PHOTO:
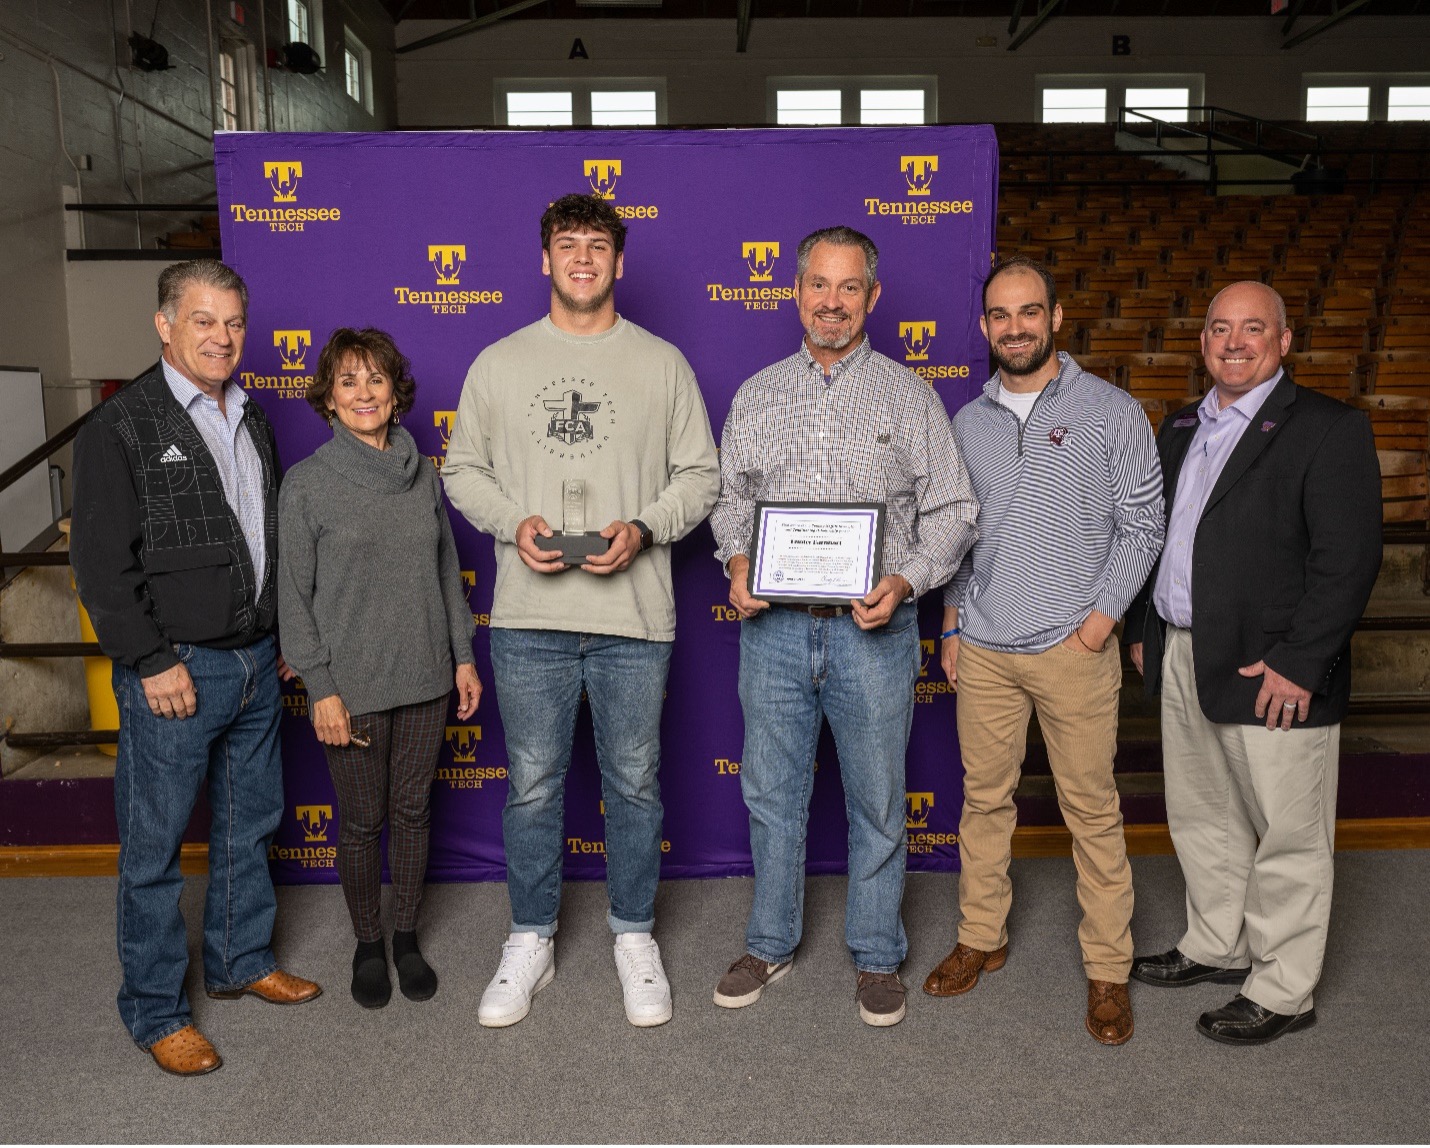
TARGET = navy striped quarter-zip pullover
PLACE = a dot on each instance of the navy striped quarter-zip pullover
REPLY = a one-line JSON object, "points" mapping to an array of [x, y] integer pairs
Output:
{"points": [[1070, 515]]}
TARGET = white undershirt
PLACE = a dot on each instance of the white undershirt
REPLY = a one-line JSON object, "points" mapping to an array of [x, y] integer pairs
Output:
{"points": [[1020, 404]]}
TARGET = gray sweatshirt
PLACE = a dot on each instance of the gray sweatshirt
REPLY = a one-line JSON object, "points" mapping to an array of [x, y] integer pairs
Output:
{"points": [[620, 410], [371, 605]]}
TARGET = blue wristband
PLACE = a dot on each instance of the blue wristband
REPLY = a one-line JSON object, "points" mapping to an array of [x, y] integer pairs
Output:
{"points": [[950, 633]]}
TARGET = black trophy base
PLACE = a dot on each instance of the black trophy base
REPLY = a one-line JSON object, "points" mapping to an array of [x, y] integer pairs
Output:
{"points": [[576, 548]]}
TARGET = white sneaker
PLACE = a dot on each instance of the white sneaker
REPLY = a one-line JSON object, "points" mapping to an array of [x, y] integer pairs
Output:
{"points": [[528, 963], [643, 983]]}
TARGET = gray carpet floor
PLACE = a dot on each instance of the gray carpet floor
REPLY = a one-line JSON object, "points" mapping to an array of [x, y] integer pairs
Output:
{"points": [[1010, 1062]]}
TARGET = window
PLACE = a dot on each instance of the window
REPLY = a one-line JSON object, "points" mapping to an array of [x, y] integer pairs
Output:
{"points": [[227, 91], [891, 106], [539, 109], [233, 99], [616, 103], [1101, 99], [1168, 104], [809, 107], [858, 100], [1075, 106], [622, 109], [1407, 102], [1341, 103], [357, 70], [300, 23]]}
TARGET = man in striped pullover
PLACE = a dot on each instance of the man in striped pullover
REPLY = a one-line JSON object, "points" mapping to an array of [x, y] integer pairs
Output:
{"points": [[1070, 523]]}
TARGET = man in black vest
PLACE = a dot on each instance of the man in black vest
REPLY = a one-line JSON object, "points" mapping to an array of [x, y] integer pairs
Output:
{"points": [[175, 525], [1273, 545]]}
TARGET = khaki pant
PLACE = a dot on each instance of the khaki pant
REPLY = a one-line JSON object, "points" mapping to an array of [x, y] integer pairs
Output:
{"points": [[1253, 817], [1076, 699]]}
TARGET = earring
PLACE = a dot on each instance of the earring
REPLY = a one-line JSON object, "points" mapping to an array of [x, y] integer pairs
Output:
{"points": [[396, 418]]}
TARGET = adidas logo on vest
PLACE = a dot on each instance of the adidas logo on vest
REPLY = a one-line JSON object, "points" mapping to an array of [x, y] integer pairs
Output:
{"points": [[173, 454]]}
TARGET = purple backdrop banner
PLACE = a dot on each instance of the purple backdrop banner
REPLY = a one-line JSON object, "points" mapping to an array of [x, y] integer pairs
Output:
{"points": [[434, 237]]}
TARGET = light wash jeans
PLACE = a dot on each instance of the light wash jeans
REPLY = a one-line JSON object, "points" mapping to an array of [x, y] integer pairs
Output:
{"points": [[540, 675], [231, 742], [796, 670]]}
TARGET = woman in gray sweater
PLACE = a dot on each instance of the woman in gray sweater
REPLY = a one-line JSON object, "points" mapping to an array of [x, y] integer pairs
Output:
{"points": [[373, 616]]}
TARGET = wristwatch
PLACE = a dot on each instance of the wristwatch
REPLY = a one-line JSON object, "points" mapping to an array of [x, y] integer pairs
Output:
{"points": [[647, 537]]}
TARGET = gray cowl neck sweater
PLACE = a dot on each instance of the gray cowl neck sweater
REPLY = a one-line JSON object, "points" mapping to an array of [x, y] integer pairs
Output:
{"points": [[370, 598]]}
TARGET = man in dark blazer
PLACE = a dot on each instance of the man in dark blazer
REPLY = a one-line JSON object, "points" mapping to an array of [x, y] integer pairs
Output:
{"points": [[1273, 545]]}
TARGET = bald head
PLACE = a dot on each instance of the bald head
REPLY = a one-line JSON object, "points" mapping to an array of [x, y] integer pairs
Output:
{"points": [[1244, 338]]}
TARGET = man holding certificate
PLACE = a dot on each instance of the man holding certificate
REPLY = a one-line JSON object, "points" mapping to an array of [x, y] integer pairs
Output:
{"points": [[842, 500], [1070, 524], [582, 446]]}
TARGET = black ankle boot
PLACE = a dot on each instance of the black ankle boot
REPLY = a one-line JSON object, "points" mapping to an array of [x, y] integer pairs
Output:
{"points": [[414, 975], [371, 987]]}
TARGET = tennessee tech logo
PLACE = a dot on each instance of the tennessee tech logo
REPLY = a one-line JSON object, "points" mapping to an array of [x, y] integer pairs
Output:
{"points": [[917, 835], [292, 348], [916, 337], [918, 171], [760, 262], [916, 810], [283, 177], [447, 260], [760, 259], [315, 820], [442, 420], [569, 421], [918, 205], [602, 174], [925, 656], [462, 739], [929, 686]]}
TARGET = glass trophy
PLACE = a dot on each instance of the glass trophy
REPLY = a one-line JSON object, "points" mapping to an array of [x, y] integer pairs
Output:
{"points": [[575, 542]]}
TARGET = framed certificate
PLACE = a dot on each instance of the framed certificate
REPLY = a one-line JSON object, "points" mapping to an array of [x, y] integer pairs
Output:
{"points": [[817, 553]]}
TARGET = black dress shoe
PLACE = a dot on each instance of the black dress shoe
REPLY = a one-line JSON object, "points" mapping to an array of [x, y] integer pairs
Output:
{"points": [[1173, 970], [1243, 1021]]}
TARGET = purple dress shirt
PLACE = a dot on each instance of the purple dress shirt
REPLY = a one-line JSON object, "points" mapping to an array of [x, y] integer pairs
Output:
{"points": [[1220, 430]]}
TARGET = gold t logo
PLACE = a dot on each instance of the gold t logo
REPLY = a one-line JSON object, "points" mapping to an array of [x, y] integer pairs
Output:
{"points": [[917, 337], [469, 583], [918, 171], [315, 820], [443, 421], [292, 347], [760, 259], [917, 806], [447, 260], [602, 173], [926, 655], [463, 740], [283, 178]]}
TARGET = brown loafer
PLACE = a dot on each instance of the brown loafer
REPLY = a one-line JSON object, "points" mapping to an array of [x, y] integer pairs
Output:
{"points": [[277, 987], [1109, 1012], [958, 972], [185, 1053]]}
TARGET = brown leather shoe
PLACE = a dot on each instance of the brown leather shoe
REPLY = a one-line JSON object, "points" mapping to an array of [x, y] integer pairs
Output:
{"points": [[185, 1053], [1109, 1012], [958, 972], [277, 987]]}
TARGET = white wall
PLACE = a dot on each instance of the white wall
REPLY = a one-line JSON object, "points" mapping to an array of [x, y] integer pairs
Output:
{"points": [[708, 82]]}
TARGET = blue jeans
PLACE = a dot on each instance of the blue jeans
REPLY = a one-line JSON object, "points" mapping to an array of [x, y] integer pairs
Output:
{"points": [[539, 678], [232, 742], [794, 671]]}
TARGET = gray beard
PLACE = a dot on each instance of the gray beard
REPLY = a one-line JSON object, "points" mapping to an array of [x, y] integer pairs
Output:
{"points": [[830, 342]]}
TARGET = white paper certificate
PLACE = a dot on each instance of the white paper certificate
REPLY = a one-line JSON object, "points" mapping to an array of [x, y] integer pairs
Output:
{"points": [[815, 552]]}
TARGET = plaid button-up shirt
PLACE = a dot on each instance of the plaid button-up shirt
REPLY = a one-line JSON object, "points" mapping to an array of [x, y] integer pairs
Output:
{"points": [[870, 431]]}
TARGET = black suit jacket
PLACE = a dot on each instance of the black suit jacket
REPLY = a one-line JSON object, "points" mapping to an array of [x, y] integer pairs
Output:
{"points": [[1284, 558]]}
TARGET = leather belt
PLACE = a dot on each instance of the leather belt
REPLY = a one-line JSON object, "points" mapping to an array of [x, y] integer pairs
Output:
{"points": [[816, 611]]}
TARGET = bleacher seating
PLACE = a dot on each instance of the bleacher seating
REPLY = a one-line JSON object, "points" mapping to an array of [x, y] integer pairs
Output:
{"points": [[1139, 256]]}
